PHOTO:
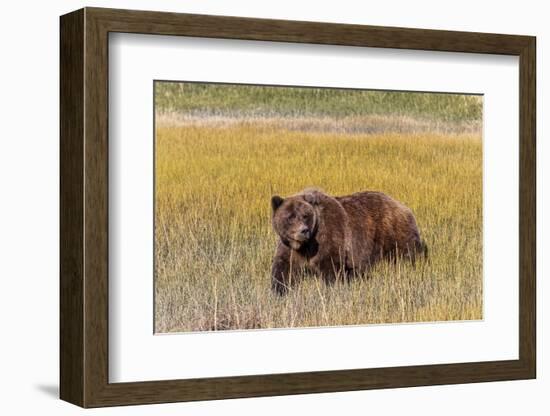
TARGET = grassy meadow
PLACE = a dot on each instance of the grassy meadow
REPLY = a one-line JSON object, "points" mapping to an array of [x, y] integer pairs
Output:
{"points": [[223, 151]]}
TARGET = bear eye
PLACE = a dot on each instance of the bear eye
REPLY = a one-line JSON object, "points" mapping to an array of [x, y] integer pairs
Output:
{"points": [[291, 217]]}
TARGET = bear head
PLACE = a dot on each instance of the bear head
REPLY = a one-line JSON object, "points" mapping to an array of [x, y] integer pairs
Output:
{"points": [[295, 219]]}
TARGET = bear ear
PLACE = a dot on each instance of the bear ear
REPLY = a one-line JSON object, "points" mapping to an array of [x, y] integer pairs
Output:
{"points": [[276, 202], [313, 197]]}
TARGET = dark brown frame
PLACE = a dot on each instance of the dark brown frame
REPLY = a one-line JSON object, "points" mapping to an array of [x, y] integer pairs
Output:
{"points": [[84, 209]]}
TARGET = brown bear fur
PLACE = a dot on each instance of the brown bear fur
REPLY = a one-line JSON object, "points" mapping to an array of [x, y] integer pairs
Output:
{"points": [[337, 237]]}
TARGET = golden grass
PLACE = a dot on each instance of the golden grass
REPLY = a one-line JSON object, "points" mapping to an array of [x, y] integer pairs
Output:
{"points": [[214, 242]]}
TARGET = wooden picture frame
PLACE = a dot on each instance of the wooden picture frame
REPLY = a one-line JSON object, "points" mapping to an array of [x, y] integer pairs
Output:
{"points": [[84, 207]]}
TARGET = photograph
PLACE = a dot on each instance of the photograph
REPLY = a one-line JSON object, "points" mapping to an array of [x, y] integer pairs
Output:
{"points": [[296, 207], [278, 204]]}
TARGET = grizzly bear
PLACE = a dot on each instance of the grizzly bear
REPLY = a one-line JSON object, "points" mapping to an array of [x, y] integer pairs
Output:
{"points": [[339, 237]]}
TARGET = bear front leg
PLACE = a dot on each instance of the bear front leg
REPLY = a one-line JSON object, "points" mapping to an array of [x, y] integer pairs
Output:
{"points": [[331, 270], [280, 270]]}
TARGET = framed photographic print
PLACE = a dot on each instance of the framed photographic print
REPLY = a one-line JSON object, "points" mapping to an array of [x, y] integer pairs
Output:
{"points": [[255, 207]]}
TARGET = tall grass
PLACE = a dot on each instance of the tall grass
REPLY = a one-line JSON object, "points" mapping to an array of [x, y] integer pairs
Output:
{"points": [[299, 102], [213, 237]]}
